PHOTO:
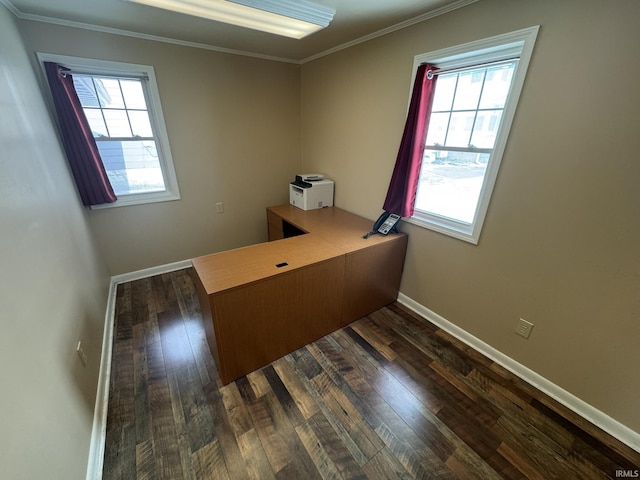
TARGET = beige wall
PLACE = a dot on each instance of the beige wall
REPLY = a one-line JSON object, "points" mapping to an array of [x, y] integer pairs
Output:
{"points": [[560, 241], [234, 128], [53, 286]]}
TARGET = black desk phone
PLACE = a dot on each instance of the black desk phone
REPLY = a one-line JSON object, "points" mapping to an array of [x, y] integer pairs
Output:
{"points": [[387, 222]]}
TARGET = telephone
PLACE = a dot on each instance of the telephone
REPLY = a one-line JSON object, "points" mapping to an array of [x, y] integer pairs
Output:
{"points": [[387, 222]]}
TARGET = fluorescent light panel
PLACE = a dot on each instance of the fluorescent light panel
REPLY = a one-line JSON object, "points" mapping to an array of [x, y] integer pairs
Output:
{"points": [[301, 9], [290, 18]]}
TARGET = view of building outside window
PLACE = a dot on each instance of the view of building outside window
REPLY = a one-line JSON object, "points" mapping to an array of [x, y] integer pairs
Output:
{"points": [[119, 119], [465, 118]]}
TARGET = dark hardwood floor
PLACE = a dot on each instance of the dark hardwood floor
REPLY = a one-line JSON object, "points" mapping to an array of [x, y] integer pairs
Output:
{"points": [[390, 396]]}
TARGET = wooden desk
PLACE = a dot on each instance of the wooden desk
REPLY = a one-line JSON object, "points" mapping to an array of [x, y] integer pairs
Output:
{"points": [[264, 301], [373, 266]]}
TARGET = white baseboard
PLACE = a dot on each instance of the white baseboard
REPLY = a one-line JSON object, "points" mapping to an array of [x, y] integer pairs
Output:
{"points": [[99, 430], [149, 272], [588, 412]]}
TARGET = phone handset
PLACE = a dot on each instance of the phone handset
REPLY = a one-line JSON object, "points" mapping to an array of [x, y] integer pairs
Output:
{"points": [[387, 222]]}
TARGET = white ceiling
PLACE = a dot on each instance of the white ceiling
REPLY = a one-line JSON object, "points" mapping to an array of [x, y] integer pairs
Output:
{"points": [[354, 21]]}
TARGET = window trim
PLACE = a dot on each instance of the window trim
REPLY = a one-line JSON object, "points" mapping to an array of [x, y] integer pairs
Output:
{"points": [[106, 68], [519, 43]]}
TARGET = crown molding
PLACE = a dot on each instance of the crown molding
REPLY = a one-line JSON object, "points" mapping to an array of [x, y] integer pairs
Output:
{"points": [[393, 28], [143, 36], [138, 35], [11, 7]]}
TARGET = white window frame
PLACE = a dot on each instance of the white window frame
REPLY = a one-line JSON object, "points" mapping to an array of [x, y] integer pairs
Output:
{"points": [[107, 68], [515, 44]]}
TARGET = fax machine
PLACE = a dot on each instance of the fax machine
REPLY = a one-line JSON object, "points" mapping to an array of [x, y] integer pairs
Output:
{"points": [[310, 191]]}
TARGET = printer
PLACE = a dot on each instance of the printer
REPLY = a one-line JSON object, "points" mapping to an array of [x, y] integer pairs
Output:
{"points": [[310, 191]]}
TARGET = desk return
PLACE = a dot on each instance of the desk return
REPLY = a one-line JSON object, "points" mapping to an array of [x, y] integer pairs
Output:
{"points": [[315, 275]]}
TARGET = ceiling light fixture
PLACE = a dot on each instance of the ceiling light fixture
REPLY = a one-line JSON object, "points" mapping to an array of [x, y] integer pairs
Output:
{"points": [[290, 18]]}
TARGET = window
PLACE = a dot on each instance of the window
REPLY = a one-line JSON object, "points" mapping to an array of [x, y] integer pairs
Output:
{"points": [[122, 106], [474, 103]]}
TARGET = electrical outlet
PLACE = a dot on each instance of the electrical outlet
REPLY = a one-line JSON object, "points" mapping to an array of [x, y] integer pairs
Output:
{"points": [[219, 207], [81, 354], [524, 328]]}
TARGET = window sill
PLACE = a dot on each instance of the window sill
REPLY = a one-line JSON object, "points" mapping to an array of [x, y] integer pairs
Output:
{"points": [[139, 199], [453, 229]]}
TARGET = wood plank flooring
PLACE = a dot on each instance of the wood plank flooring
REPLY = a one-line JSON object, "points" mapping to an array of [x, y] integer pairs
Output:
{"points": [[388, 397]]}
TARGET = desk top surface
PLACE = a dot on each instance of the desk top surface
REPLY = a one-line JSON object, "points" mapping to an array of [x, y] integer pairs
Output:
{"points": [[343, 229], [331, 232], [232, 268]]}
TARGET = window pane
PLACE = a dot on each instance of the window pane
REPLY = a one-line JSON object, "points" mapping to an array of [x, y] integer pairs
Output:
{"points": [[140, 123], [437, 129], [132, 166], [460, 127], [468, 91], [496, 87], [450, 184], [443, 96], [96, 122], [113, 97], [86, 91], [133, 95], [117, 123], [486, 128]]}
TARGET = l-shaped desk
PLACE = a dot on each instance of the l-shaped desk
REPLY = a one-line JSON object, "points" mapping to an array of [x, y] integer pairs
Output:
{"points": [[315, 275]]}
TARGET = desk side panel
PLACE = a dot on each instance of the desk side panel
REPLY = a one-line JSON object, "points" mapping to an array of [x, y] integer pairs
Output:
{"points": [[266, 320], [372, 278], [207, 321], [274, 224]]}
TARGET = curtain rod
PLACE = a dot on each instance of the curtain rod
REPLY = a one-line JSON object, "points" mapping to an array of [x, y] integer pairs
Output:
{"points": [[440, 71], [64, 71]]}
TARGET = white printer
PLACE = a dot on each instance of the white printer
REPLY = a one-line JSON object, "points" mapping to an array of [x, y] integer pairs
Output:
{"points": [[310, 191]]}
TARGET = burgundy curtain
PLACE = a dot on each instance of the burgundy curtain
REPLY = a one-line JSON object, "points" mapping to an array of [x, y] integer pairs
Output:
{"points": [[79, 144], [401, 195]]}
